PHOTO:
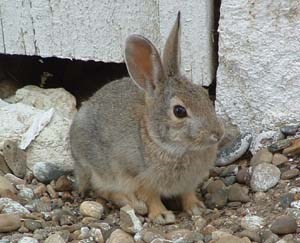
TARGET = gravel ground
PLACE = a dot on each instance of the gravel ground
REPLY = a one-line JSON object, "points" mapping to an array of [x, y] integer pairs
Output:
{"points": [[254, 199]]}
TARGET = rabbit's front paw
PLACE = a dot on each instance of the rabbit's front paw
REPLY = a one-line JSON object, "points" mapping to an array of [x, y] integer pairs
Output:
{"points": [[191, 204], [164, 217]]}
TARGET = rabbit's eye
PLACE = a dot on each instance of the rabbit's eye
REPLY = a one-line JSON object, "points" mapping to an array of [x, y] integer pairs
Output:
{"points": [[179, 111]]}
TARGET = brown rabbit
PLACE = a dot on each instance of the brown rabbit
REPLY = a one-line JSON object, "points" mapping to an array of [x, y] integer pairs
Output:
{"points": [[153, 135]]}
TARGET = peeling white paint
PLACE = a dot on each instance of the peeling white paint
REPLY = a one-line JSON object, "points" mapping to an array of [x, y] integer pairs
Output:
{"points": [[96, 30], [259, 71]]}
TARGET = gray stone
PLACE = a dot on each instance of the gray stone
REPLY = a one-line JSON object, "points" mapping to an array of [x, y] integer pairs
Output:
{"points": [[286, 200], [279, 145], [235, 150], [230, 170], [26, 193], [252, 222], [218, 199], [229, 180], [27, 239], [32, 225], [184, 236], [264, 177], [46, 172], [284, 225], [290, 130], [12, 207], [238, 193]]}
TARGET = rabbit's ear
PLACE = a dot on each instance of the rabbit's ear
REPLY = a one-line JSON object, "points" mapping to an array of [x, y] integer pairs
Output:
{"points": [[143, 62], [171, 55]]}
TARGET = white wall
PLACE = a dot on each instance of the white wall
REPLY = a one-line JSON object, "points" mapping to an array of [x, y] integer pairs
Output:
{"points": [[259, 71], [94, 29]]}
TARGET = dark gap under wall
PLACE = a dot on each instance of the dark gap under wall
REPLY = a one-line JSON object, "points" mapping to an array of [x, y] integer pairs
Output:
{"points": [[81, 78], [215, 47]]}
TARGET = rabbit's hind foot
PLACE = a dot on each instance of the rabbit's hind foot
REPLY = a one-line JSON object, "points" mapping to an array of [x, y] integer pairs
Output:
{"points": [[157, 211], [121, 199], [191, 204]]}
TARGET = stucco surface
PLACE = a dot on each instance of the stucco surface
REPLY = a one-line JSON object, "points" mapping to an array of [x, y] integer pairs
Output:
{"points": [[259, 71], [97, 30]]}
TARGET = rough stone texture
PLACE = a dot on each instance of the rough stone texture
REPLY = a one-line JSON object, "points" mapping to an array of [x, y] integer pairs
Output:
{"points": [[44, 99], [259, 71], [97, 29], [51, 145], [264, 177]]}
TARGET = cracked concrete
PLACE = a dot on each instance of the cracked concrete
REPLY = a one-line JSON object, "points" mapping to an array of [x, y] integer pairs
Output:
{"points": [[259, 65]]}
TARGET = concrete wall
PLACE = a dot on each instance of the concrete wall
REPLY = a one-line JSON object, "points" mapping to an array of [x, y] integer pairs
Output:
{"points": [[96, 30], [259, 71]]}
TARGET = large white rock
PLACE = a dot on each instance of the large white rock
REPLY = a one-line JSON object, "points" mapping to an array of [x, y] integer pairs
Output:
{"points": [[50, 145], [259, 71], [97, 30], [44, 99]]}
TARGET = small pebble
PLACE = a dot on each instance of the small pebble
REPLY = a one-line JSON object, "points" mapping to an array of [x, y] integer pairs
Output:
{"points": [[279, 159], [290, 130], [15, 158], [243, 176], [279, 145], [54, 238], [286, 200], [150, 235], [27, 239], [46, 172], [118, 236], [215, 186], [238, 193], [91, 209], [261, 156], [32, 225], [284, 225], [229, 180], [10, 206], [218, 199], [252, 222], [230, 170], [184, 235], [264, 177], [289, 174], [235, 150], [129, 222], [252, 235], [293, 149], [63, 184]]}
